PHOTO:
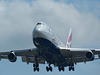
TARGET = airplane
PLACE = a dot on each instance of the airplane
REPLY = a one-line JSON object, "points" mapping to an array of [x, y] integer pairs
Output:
{"points": [[49, 49]]}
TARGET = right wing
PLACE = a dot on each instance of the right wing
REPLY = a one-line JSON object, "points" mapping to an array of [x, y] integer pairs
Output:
{"points": [[80, 54], [27, 55]]}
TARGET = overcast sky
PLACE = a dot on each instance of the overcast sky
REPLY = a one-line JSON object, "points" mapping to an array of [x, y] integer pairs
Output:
{"points": [[18, 18]]}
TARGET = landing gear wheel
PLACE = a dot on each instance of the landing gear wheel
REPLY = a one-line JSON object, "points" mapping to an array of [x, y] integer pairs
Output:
{"points": [[61, 68], [73, 68], [69, 68], [49, 68], [36, 67]]}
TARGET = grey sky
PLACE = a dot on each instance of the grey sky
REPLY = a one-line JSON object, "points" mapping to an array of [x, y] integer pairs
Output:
{"points": [[18, 18]]}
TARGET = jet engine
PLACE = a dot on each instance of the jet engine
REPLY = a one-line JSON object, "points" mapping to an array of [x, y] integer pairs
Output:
{"points": [[12, 57], [89, 56]]}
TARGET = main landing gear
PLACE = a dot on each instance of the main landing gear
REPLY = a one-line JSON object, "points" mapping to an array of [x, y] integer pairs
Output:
{"points": [[71, 67], [61, 68], [49, 68], [36, 67]]}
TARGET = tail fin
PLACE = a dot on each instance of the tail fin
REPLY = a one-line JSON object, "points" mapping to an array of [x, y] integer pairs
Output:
{"points": [[68, 45]]}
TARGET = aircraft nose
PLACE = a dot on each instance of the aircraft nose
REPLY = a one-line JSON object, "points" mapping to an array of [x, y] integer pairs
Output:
{"points": [[38, 28], [37, 31]]}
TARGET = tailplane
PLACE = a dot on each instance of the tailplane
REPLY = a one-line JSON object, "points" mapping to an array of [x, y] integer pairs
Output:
{"points": [[68, 45]]}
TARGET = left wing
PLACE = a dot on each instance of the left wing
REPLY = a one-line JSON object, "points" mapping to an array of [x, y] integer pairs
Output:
{"points": [[27, 55], [80, 54]]}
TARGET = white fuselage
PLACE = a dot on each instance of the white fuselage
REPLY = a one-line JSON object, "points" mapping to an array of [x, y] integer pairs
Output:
{"points": [[48, 44], [43, 31]]}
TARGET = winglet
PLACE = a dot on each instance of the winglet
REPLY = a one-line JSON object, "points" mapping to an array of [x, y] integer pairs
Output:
{"points": [[68, 45]]}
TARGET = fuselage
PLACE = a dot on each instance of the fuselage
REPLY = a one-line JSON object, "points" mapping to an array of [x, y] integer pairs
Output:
{"points": [[48, 44]]}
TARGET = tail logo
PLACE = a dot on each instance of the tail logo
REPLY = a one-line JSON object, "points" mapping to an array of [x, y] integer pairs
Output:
{"points": [[69, 39]]}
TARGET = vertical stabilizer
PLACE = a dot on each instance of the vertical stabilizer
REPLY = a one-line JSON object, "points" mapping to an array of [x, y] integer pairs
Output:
{"points": [[68, 45]]}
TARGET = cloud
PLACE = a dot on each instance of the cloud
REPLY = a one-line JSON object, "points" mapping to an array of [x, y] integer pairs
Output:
{"points": [[92, 6], [18, 18]]}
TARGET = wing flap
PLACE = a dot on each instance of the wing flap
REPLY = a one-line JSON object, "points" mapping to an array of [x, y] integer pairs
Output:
{"points": [[32, 60]]}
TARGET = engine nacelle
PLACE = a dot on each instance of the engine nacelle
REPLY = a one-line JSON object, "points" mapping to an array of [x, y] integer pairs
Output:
{"points": [[90, 56], [12, 57]]}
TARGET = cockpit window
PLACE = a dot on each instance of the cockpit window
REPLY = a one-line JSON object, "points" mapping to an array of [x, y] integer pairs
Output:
{"points": [[38, 23]]}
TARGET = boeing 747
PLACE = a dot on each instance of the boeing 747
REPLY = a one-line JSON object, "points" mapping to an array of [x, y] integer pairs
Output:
{"points": [[51, 50]]}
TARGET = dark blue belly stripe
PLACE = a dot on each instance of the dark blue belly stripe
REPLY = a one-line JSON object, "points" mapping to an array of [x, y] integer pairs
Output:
{"points": [[50, 50]]}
